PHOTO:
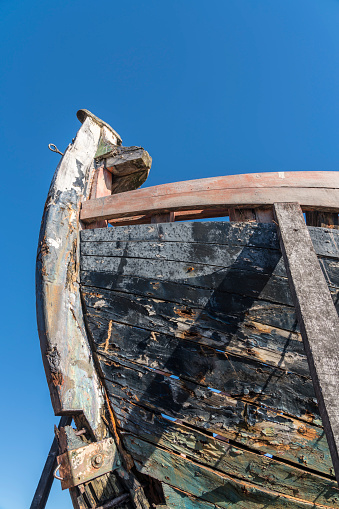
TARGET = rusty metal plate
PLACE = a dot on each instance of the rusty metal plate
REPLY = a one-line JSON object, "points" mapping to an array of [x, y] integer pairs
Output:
{"points": [[88, 462]]}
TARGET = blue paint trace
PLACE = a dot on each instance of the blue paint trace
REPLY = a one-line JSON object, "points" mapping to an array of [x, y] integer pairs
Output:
{"points": [[168, 417]]}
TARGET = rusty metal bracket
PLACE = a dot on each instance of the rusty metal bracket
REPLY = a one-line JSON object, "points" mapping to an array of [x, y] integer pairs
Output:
{"points": [[86, 463]]}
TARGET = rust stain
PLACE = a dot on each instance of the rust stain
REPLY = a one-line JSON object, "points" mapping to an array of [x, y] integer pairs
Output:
{"points": [[57, 379], [308, 433], [112, 426], [185, 313], [154, 336], [96, 295], [109, 334]]}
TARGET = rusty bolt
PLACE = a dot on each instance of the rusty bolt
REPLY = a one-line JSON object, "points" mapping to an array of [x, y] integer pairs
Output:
{"points": [[97, 460]]}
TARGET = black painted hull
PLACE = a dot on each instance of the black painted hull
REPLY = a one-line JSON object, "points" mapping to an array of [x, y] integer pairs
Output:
{"points": [[197, 342]]}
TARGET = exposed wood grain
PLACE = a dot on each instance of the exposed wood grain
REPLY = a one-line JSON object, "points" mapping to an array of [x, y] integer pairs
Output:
{"points": [[312, 189], [240, 377], [317, 316], [259, 214]]}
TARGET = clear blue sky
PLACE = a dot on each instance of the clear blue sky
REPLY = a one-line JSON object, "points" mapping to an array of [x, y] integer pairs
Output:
{"points": [[208, 88]]}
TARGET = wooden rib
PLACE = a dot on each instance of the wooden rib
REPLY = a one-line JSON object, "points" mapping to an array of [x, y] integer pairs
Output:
{"points": [[313, 190], [323, 219], [163, 218]]}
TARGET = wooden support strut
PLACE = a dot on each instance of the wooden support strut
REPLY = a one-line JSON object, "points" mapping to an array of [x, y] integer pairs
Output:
{"points": [[317, 316], [46, 480]]}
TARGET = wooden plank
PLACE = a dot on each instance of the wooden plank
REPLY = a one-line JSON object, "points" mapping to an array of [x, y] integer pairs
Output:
{"points": [[325, 241], [206, 484], [228, 458], [248, 283], [238, 376], [254, 426], [317, 316], [178, 499], [259, 214], [312, 189], [245, 338], [240, 257], [46, 480]]}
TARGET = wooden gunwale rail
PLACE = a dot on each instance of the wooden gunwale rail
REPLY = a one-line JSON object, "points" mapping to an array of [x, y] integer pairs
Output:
{"points": [[213, 197]]}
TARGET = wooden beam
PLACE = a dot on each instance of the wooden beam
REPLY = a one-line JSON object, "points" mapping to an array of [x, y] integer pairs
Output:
{"points": [[312, 190], [46, 480], [317, 316]]}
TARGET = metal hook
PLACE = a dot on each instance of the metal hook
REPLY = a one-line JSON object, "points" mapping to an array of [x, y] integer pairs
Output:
{"points": [[54, 148], [55, 473]]}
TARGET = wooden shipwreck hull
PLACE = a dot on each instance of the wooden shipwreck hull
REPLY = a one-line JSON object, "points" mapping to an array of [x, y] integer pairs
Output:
{"points": [[198, 360]]}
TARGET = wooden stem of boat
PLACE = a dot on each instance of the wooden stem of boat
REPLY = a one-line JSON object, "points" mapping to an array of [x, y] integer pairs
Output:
{"points": [[72, 378]]}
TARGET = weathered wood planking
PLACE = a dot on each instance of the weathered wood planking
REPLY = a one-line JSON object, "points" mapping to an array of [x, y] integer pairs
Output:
{"points": [[238, 376], [253, 426], [182, 325], [226, 457], [247, 338], [325, 240], [317, 316], [318, 190], [205, 483]]}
